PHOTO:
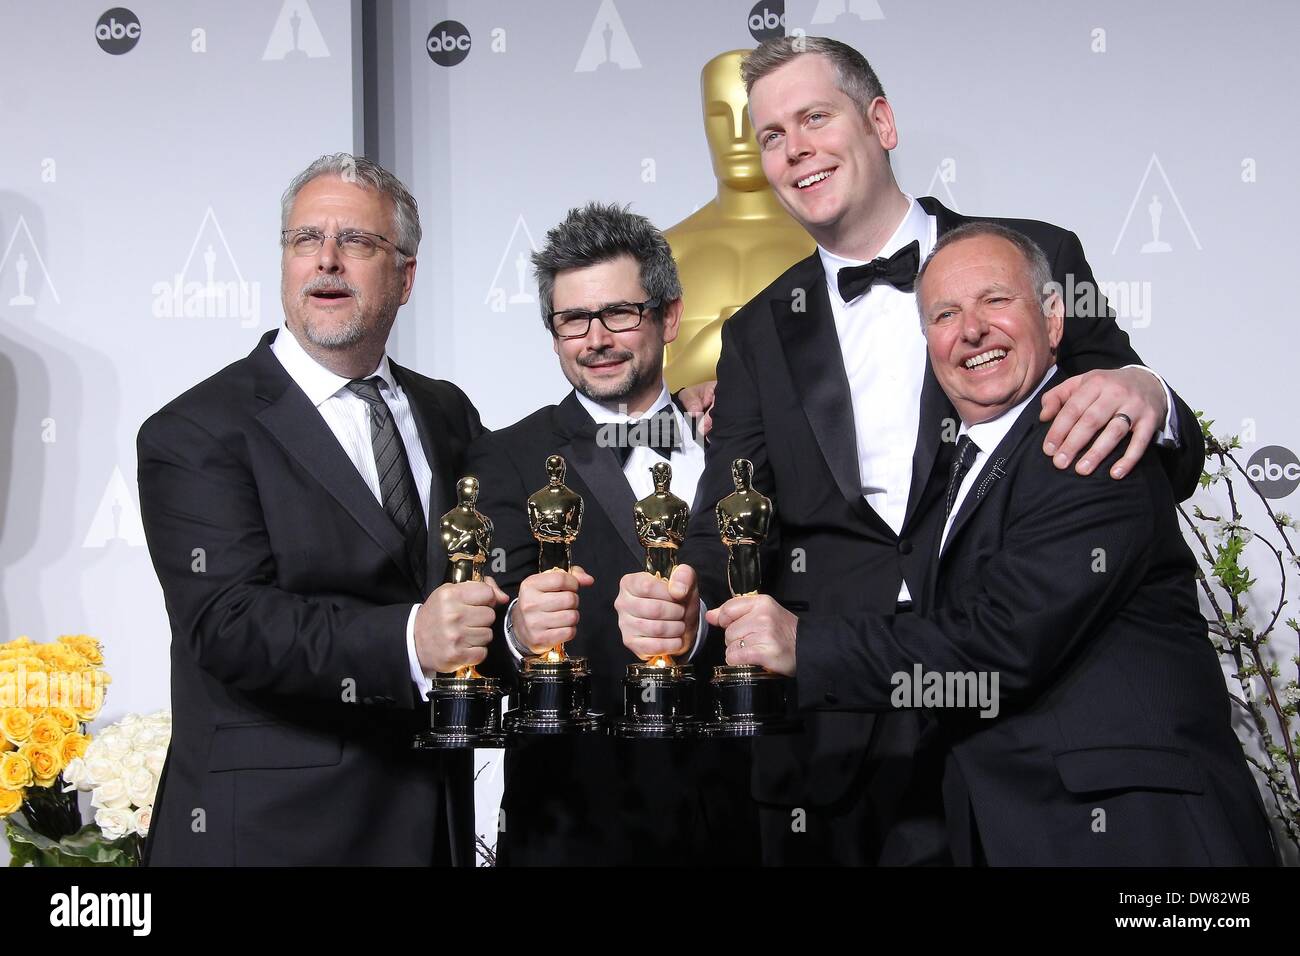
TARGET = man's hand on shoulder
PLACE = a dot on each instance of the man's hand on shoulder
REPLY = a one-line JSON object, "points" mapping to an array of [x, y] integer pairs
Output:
{"points": [[1101, 407]]}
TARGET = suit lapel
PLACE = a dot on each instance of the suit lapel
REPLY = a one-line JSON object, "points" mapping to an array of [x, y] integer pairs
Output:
{"points": [[434, 429], [935, 410], [599, 469], [812, 352], [297, 425], [995, 466]]}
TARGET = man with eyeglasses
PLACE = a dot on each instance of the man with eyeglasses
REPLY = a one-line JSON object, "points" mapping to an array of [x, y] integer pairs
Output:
{"points": [[286, 501], [611, 300]]}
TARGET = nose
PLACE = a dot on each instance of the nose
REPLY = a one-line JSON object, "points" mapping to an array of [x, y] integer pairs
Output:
{"points": [[974, 325], [598, 337], [797, 145], [329, 259]]}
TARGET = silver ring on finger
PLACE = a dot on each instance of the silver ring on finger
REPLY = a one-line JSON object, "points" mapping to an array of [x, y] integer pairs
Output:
{"points": [[742, 642], [1127, 421]]}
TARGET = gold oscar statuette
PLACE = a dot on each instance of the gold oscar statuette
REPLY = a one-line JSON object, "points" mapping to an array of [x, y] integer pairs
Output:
{"points": [[555, 689], [465, 706], [748, 700], [658, 695]]}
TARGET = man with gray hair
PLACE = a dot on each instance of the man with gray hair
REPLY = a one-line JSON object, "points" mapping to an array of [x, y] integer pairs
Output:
{"points": [[286, 501], [823, 384], [1100, 734], [610, 300]]}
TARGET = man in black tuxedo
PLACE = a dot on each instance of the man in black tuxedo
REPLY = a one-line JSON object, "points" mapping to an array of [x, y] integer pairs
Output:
{"points": [[1098, 732], [611, 299], [824, 385], [286, 501]]}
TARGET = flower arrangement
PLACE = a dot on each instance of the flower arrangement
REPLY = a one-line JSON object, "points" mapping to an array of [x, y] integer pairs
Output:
{"points": [[49, 693], [1246, 628]]}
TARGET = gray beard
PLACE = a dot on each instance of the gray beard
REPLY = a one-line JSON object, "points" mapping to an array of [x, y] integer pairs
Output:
{"points": [[350, 334]]}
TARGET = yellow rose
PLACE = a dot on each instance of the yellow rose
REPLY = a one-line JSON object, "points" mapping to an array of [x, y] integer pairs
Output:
{"points": [[88, 696], [15, 771], [8, 665], [46, 762], [46, 731], [10, 802], [23, 641], [16, 725], [85, 646], [66, 718], [73, 745]]}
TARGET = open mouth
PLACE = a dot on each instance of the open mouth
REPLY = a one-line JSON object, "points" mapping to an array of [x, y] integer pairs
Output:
{"points": [[985, 360], [813, 179]]}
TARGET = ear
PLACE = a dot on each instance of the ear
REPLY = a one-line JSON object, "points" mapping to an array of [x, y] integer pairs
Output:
{"points": [[672, 320], [408, 278], [1055, 309], [881, 116]]}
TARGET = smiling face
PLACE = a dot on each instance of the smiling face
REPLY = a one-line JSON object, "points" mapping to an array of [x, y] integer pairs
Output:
{"points": [[334, 303], [989, 341], [613, 368], [828, 163]]}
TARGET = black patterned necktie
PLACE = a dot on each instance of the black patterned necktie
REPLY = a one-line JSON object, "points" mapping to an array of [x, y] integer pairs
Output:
{"points": [[899, 270], [659, 433], [396, 483], [963, 458]]}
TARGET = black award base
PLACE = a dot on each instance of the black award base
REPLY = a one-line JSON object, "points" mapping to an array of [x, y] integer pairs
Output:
{"points": [[749, 701], [658, 702], [464, 711], [554, 697]]}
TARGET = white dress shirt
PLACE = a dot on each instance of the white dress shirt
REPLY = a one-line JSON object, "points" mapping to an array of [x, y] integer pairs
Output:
{"points": [[986, 436], [688, 467], [884, 354], [348, 417]]}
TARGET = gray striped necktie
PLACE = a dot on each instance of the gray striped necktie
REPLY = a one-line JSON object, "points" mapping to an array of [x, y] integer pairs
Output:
{"points": [[962, 459], [396, 483]]}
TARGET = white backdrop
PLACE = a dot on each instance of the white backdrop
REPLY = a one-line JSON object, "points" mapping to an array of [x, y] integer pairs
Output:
{"points": [[128, 176]]}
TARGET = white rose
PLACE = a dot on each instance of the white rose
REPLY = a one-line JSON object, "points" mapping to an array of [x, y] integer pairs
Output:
{"points": [[154, 760], [74, 774], [128, 721], [143, 817], [118, 745], [133, 760], [115, 823], [112, 795], [140, 784], [100, 769]]}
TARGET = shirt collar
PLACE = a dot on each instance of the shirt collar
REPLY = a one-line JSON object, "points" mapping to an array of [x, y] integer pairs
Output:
{"points": [[318, 382], [603, 416], [916, 224], [988, 435]]}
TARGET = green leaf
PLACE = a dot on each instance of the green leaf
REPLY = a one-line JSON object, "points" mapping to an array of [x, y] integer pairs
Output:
{"points": [[86, 847]]}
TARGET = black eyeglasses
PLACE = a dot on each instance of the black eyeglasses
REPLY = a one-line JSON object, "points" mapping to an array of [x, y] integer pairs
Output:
{"points": [[620, 317], [352, 242]]}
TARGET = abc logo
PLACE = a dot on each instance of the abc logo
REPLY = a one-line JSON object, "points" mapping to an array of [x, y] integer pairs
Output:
{"points": [[1274, 470], [767, 20], [118, 31], [448, 43]]}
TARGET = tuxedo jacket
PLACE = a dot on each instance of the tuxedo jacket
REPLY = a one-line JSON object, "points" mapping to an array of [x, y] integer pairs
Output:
{"points": [[289, 591], [1111, 743], [783, 402], [597, 800]]}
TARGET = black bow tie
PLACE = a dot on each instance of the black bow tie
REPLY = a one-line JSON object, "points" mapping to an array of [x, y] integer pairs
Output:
{"points": [[658, 432], [899, 270]]}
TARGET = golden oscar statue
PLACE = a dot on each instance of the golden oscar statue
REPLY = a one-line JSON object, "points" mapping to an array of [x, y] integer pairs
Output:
{"points": [[659, 694], [731, 248], [748, 699], [555, 689], [465, 706]]}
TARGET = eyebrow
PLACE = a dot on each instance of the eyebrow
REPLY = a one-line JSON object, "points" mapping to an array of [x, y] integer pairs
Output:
{"points": [[996, 287], [802, 111]]}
